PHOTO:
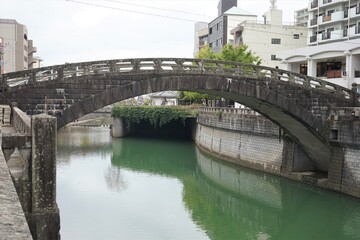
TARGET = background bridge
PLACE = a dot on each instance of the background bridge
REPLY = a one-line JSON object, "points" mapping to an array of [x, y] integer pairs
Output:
{"points": [[299, 104]]}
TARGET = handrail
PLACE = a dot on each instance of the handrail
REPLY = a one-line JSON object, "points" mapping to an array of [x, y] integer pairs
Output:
{"points": [[175, 66]]}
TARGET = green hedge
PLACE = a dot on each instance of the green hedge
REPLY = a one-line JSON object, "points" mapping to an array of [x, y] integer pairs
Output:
{"points": [[157, 116]]}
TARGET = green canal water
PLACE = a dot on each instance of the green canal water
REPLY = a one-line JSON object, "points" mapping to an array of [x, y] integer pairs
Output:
{"points": [[155, 189]]}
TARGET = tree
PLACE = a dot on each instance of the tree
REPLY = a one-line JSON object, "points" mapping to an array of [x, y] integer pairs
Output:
{"points": [[230, 53], [227, 53]]}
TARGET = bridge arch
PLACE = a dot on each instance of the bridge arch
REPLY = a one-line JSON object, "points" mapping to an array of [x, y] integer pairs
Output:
{"points": [[288, 114], [284, 97]]}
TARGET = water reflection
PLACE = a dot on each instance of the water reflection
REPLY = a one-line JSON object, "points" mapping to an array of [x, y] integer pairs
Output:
{"points": [[75, 141], [223, 201], [230, 202]]}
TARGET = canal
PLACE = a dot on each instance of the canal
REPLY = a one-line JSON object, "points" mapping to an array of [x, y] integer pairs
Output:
{"points": [[143, 188]]}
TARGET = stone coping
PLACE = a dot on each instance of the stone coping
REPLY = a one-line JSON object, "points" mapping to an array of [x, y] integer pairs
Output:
{"points": [[13, 224]]}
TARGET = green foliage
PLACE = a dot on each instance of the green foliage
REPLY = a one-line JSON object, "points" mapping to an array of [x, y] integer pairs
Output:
{"points": [[230, 53], [194, 97], [227, 53], [156, 116]]}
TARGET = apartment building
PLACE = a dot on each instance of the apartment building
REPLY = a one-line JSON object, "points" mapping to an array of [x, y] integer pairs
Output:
{"points": [[220, 28], [17, 51], [301, 17], [333, 51], [268, 36], [201, 36]]}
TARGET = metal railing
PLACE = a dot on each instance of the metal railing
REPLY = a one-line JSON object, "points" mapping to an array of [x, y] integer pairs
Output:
{"points": [[314, 4]]}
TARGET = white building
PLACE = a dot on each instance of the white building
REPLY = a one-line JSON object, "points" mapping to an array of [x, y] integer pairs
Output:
{"points": [[167, 98], [17, 50], [333, 51], [301, 17], [220, 27], [265, 38]]}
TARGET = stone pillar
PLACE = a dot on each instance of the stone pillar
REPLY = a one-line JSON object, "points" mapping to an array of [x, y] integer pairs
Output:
{"points": [[336, 165], [44, 217]]}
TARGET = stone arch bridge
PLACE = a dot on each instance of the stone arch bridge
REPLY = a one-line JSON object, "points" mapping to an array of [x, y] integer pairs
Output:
{"points": [[299, 104]]}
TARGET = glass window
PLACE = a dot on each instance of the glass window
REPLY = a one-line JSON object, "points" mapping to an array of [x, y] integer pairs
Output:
{"points": [[275, 41]]}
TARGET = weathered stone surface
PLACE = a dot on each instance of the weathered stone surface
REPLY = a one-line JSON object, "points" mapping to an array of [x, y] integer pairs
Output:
{"points": [[120, 128], [246, 139], [13, 225], [44, 217]]}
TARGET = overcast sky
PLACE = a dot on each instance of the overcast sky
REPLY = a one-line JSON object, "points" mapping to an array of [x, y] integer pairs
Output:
{"points": [[86, 30]]}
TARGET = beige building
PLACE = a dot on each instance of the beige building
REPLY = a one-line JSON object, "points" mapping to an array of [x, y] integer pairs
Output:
{"points": [[17, 51], [201, 36], [269, 36]]}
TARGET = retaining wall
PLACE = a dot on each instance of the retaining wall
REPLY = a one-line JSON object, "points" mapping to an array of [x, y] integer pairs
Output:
{"points": [[246, 138]]}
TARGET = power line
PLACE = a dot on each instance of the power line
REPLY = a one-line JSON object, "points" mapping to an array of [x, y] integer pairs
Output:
{"points": [[132, 11], [163, 16], [158, 8]]}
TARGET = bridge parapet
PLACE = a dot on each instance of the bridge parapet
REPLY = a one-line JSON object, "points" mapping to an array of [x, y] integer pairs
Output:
{"points": [[13, 225], [168, 66], [344, 126], [21, 121], [29, 148]]}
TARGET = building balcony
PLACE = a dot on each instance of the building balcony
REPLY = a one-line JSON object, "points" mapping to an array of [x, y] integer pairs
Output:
{"points": [[334, 17], [314, 4], [313, 39], [331, 36], [326, 18], [354, 12], [353, 31], [313, 22], [357, 30], [330, 2], [325, 36], [202, 43]]}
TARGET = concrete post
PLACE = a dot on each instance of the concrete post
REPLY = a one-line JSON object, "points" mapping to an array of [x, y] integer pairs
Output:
{"points": [[350, 69], [311, 71], [120, 128], [44, 219]]}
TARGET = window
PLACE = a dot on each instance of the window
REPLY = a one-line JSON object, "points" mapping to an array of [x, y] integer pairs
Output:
{"points": [[296, 36], [273, 58], [25, 59], [275, 41], [25, 48], [210, 30], [217, 26]]}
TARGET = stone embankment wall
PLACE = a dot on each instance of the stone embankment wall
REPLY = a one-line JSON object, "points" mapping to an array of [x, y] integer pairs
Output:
{"points": [[246, 138], [241, 136], [344, 129]]}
